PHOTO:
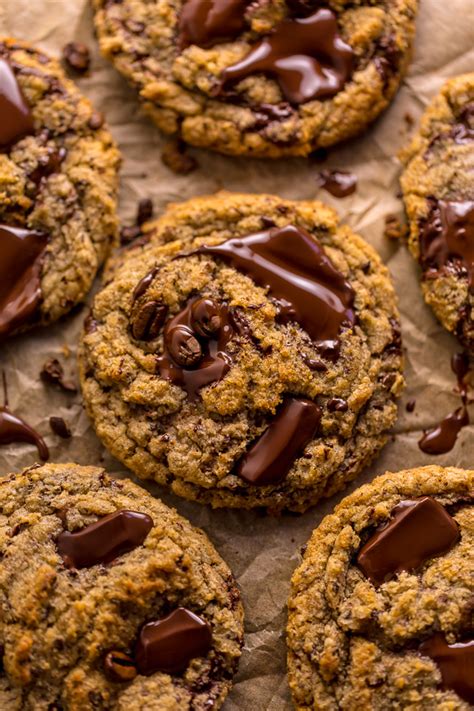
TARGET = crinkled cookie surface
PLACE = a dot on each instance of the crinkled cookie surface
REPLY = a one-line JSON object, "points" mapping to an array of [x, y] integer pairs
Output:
{"points": [[58, 184], [192, 428], [89, 565], [438, 191], [186, 60], [390, 643]]}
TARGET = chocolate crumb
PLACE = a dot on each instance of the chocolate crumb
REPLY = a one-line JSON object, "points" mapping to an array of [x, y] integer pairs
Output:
{"points": [[96, 121], [175, 158], [76, 55], [410, 406], [144, 211], [52, 373], [128, 234], [60, 427]]}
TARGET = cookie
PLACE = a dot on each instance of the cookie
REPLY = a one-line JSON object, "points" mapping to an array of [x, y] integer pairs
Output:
{"points": [[265, 78], [245, 353], [58, 185], [110, 600], [380, 611], [438, 190]]}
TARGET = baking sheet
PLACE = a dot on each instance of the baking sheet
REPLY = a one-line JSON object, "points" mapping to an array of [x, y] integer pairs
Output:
{"points": [[262, 551]]}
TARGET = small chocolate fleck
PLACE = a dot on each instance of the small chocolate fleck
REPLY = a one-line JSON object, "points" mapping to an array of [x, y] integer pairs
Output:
{"points": [[144, 211], [60, 427], [337, 404], [418, 530], [337, 182], [129, 233], [410, 406], [168, 645], [96, 120], [52, 373], [77, 57], [174, 155], [105, 540], [120, 667]]}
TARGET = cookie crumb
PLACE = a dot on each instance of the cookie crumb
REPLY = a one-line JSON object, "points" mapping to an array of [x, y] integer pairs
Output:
{"points": [[394, 228], [60, 427], [175, 158], [52, 373], [77, 57]]}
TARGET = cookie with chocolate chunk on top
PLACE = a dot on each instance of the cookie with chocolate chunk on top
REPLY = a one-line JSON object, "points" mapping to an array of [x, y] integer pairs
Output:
{"points": [[109, 598], [266, 79], [380, 610], [438, 191], [58, 190], [245, 353]]}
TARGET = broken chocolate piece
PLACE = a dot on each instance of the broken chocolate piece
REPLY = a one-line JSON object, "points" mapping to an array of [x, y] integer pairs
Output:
{"points": [[418, 530], [169, 644]]}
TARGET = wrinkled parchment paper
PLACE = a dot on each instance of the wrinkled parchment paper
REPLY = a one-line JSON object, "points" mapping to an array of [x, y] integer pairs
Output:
{"points": [[262, 551]]}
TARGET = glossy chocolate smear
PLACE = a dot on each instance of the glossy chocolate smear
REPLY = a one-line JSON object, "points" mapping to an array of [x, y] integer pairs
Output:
{"points": [[16, 120], [270, 458], [195, 343], [293, 265], [455, 662], [442, 438], [418, 530], [447, 237], [106, 539], [306, 56], [169, 644], [14, 429], [20, 265], [207, 22]]}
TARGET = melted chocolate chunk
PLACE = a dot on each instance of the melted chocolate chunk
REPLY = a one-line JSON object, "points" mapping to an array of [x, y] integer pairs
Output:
{"points": [[20, 265], [207, 22], [169, 644], [337, 404], [14, 429], [16, 119], [194, 345], [307, 56], [455, 662], [106, 539], [337, 182], [418, 530], [442, 438], [270, 458], [293, 265], [447, 237]]}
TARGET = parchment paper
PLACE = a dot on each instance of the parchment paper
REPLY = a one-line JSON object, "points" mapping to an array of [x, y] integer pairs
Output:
{"points": [[262, 551]]}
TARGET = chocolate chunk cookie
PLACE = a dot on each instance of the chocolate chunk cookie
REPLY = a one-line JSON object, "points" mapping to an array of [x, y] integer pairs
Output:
{"points": [[260, 78], [109, 599], [58, 184], [380, 613], [438, 190], [245, 353]]}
